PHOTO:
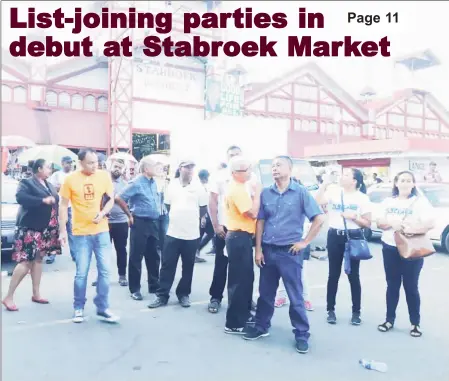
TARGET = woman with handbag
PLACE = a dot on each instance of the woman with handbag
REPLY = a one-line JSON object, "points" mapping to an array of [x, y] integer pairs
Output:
{"points": [[405, 214], [349, 211], [37, 231]]}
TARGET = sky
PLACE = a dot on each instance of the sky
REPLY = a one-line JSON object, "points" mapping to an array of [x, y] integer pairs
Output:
{"points": [[421, 25]]}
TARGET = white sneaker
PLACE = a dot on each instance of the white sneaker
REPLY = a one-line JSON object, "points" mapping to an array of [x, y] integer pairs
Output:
{"points": [[107, 316], [78, 316]]}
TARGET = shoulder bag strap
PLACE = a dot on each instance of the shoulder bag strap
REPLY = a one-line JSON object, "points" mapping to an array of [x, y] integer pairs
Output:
{"points": [[409, 208], [344, 219]]}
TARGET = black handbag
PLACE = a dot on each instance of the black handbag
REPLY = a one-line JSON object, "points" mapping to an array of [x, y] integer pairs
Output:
{"points": [[355, 248]]}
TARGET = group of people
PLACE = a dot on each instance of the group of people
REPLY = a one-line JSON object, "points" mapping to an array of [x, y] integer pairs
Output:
{"points": [[272, 227]]}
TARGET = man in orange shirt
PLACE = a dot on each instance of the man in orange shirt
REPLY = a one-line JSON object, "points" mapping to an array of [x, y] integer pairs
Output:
{"points": [[241, 212], [87, 190]]}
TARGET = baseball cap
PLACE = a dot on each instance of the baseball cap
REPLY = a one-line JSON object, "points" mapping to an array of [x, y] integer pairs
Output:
{"points": [[186, 163], [66, 159]]}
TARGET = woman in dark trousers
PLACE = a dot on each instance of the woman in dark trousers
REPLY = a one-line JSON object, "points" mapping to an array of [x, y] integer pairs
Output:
{"points": [[37, 231], [356, 210], [419, 220]]}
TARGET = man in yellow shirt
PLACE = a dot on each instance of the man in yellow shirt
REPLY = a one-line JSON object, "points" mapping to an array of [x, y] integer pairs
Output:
{"points": [[241, 209], [91, 194]]}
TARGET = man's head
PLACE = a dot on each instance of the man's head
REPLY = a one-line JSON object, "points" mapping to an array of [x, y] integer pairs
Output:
{"points": [[67, 164], [88, 159], [117, 168], [281, 167], [186, 168], [433, 166], [240, 168], [374, 176], [149, 167], [204, 176], [233, 151]]}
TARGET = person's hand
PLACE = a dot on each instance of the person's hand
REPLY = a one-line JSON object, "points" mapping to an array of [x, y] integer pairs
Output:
{"points": [[130, 221], [63, 238], [259, 259], [297, 247], [220, 231], [98, 218], [349, 215], [50, 200]]}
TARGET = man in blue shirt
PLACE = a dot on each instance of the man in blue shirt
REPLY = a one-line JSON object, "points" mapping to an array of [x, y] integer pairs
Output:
{"points": [[143, 213], [279, 249]]}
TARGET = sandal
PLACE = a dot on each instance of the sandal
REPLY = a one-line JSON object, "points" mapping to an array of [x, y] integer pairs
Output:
{"points": [[40, 300], [385, 327], [214, 306], [415, 331]]}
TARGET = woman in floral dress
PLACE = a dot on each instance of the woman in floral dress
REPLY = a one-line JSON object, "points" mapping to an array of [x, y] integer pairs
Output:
{"points": [[37, 231]]}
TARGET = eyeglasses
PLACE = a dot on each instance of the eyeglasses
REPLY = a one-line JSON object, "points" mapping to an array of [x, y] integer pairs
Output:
{"points": [[242, 170]]}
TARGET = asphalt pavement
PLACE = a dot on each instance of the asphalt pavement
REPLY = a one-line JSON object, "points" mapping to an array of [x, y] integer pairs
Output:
{"points": [[40, 343]]}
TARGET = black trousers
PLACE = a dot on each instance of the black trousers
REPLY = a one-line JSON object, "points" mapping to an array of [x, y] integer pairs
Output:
{"points": [[335, 250], [399, 271], [143, 244], [206, 233], [220, 269], [119, 236], [239, 246], [173, 249]]}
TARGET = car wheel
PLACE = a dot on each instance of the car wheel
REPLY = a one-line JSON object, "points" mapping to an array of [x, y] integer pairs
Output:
{"points": [[368, 234], [445, 241]]}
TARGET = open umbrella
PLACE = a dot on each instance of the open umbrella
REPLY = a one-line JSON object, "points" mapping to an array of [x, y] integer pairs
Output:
{"points": [[160, 158], [126, 157], [52, 154], [16, 141]]}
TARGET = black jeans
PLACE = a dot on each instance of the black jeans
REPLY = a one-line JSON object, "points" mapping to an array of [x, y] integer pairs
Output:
{"points": [[173, 249], [119, 236], [163, 226], [239, 246], [399, 271], [206, 233], [335, 249], [220, 269], [143, 244]]}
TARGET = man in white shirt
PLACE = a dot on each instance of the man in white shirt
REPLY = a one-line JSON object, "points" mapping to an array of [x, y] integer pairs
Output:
{"points": [[57, 179], [186, 202]]}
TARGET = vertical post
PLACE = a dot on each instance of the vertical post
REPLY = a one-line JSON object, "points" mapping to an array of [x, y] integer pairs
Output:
{"points": [[292, 108]]}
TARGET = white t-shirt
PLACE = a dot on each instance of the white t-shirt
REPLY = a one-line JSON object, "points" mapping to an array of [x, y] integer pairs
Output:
{"points": [[357, 202], [394, 210], [57, 179], [219, 186], [185, 203]]}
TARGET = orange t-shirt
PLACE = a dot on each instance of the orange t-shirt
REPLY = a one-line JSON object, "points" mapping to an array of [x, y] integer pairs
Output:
{"points": [[85, 193], [238, 201]]}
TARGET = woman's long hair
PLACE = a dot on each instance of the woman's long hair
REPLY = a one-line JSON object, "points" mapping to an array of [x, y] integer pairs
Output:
{"points": [[395, 190], [38, 164], [358, 177]]}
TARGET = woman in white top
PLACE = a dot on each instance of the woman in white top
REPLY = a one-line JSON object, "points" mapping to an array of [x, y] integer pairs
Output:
{"points": [[407, 212], [357, 212]]}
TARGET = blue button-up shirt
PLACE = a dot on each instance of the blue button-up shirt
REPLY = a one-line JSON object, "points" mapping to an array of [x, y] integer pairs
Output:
{"points": [[284, 213], [143, 198]]}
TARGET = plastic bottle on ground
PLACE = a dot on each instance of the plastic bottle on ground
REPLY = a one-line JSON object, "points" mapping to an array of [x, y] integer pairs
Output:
{"points": [[374, 365]]}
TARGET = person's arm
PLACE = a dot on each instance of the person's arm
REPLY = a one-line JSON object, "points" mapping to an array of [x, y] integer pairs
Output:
{"points": [[123, 198], [313, 213], [110, 203], [65, 194], [246, 205], [321, 196], [25, 198], [54, 180], [213, 208], [382, 222], [425, 220]]}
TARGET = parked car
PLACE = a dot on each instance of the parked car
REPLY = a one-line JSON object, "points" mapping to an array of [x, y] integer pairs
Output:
{"points": [[438, 196], [10, 208]]}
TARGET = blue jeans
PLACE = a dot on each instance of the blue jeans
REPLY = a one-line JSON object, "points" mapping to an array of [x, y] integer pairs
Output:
{"points": [[70, 235], [84, 246]]}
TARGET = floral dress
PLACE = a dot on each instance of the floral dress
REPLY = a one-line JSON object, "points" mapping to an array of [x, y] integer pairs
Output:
{"points": [[30, 244]]}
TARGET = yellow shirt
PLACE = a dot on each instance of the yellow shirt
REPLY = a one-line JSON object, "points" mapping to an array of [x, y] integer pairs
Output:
{"points": [[85, 193], [237, 202]]}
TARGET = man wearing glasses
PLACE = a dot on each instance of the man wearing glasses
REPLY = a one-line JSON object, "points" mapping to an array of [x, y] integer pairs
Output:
{"points": [[241, 209]]}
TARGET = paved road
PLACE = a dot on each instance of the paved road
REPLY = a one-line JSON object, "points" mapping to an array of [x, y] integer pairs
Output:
{"points": [[40, 342]]}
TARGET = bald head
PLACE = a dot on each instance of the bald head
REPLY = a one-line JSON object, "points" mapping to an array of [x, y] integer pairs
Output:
{"points": [[240, 168]]}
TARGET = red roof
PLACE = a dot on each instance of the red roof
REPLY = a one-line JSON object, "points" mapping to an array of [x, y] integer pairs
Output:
{"points": [[64, 127]]}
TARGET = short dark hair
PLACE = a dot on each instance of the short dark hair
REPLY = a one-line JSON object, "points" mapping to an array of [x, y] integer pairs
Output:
{"points": [[84, 151], [38, 164], [232, 148], [287, 158], [30, 163], [203, 174]]}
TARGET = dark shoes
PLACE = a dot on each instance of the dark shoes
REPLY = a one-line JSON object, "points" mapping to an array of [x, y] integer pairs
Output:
{"points": [[252, 334], [214, 306], [356, 320], [50, 259], [199, 260], [158, 302], [136, 296], [302, 346], [122, 281], [184, 301], [331, 317]]}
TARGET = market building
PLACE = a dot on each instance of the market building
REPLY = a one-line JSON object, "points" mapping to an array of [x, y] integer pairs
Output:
{"points": [[121, 104]]}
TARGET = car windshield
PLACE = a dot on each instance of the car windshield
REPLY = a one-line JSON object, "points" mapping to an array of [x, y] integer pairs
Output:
{"points": [[9, 192], [438, 195], [301, 170]]}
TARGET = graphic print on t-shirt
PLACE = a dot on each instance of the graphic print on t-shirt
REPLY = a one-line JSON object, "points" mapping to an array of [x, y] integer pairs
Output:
{"points": [[399, 211], [89, 192], [336, 206]]}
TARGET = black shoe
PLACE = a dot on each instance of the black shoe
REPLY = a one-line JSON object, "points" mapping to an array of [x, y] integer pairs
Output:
{"points": [[122, 281], [302, 346], [94, 284], [199, 260], [184, 301], [159, 302], [214, 306], [331, 317], [356, 320], [252, 333], [137, 296], [50, 259]]}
